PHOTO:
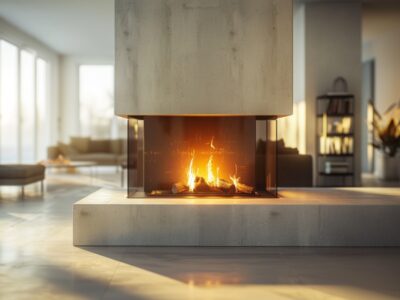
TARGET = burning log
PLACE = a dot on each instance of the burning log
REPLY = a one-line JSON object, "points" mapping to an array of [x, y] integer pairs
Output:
{"points": [[243, 188], [226, 186], [201, 186], [179, 187]]}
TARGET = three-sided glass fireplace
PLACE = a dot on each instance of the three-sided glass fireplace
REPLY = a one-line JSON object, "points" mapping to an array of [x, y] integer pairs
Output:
{"points": [[179, 156]]}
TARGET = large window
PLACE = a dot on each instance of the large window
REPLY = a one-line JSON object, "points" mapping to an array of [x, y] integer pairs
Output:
{"points": [[23, 96], [27, 110], [42, 130], [96, 96], [8, 102]]}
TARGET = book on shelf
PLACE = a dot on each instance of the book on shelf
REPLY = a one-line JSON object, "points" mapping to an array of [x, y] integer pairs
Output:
{"points": [[337, 106]]}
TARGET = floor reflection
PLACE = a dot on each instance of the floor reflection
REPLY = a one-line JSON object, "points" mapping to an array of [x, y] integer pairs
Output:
{"points": [[38, 261]]}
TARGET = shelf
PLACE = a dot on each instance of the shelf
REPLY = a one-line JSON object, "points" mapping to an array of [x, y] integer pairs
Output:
{"points": [[336, 115], [335, 96], [336, 174], [335, 108], [336, 155], [339, 135]]}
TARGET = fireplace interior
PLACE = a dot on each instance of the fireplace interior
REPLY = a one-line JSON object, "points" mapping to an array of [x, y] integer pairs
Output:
{"points": [[200, 156]]}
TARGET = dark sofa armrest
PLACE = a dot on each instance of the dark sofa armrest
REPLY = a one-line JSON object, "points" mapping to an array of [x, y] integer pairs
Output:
{"points": [[295, 170]]}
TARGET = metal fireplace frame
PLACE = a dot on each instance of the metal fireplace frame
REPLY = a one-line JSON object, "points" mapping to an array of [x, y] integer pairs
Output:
{"points": [[264, 164]]}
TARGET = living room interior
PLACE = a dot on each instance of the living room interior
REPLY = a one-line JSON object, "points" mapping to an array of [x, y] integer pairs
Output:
{"points": [[199, 149]]}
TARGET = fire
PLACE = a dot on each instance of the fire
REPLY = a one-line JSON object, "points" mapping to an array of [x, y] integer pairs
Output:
{"points": [[212, 182], [210, 173], [217, 180], [212, 179], [235, 181], [191, 175], [212, 143]]}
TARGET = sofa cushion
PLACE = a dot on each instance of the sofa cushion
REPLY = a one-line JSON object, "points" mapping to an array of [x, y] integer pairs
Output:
{"points": [[99, 146], [53, 152], [280, 147], [81, 144], [288, 150], [20, 171], [99, 158], [116, 146], [66, 150], [123, 158], [125, 146]]}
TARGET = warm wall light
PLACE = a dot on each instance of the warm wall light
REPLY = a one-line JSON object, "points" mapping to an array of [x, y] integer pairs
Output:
{"points": [[292, 129]]}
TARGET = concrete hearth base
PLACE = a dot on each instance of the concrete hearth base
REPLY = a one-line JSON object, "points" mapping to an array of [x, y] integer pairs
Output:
{"points": [[301, 217]]}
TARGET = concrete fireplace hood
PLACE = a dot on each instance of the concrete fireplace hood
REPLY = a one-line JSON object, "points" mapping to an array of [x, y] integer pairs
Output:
{"points": [[203, 57]]}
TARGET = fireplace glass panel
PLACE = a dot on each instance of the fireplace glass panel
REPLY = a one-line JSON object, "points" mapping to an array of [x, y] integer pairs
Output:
{"points": [[201, 156]]}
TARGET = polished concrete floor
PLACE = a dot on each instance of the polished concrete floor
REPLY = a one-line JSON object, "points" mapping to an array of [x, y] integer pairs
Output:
{"points": [[38, 261]]}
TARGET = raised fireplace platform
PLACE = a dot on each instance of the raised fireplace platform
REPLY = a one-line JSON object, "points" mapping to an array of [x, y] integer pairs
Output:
{"points": [[300, 217]]}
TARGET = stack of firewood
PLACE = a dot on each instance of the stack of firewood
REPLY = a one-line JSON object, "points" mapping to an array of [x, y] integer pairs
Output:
{"points": [[201, 186]]}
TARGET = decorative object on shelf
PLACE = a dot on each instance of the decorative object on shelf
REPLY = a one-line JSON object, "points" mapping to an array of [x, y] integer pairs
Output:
{"points": [[335, 137], [387, 141], [339, 86], [338, 167]]}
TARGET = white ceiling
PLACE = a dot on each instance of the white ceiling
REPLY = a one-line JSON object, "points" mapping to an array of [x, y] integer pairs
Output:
{"points": [[70, 27], [76, 27]]}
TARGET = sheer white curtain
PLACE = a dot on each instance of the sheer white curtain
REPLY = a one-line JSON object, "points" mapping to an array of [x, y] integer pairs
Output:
{"points": [[8, 102], [23, 99]]}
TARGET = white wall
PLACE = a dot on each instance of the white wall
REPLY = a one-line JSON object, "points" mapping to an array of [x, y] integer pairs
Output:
{"points": [[381, 42], [22, 40], [332, 49], [292, 128], [69, 91], [327, 44]]}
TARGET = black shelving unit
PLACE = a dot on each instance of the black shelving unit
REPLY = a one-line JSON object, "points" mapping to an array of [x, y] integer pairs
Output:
{"points": [[335, 140]]}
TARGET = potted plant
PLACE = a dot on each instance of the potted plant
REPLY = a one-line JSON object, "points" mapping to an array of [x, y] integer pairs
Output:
{"points": [[387, 140]]}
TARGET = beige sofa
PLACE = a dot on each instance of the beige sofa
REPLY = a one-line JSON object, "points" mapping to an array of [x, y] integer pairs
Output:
{"points": [[103, 152]]}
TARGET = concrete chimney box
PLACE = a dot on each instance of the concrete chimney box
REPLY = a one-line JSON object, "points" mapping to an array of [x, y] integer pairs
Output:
{"points": [[203, 57]]}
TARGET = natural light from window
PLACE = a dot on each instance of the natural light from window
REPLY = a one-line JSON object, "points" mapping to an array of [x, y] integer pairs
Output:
{"points": [[23, 131], [96, 96], [27, 106], [9, 102]]}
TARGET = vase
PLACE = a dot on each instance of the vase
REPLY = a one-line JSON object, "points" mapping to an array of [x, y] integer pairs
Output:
{"points": [[386, 168]]}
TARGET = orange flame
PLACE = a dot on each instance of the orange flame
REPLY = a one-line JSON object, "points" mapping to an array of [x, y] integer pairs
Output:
{"points": [[212, 143], [191, 175], [217, 180], [212, 179], [210, 173], [235, 179]]}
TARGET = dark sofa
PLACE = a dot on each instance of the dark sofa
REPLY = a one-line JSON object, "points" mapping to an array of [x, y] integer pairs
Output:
{"points": [[293, 169]]}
